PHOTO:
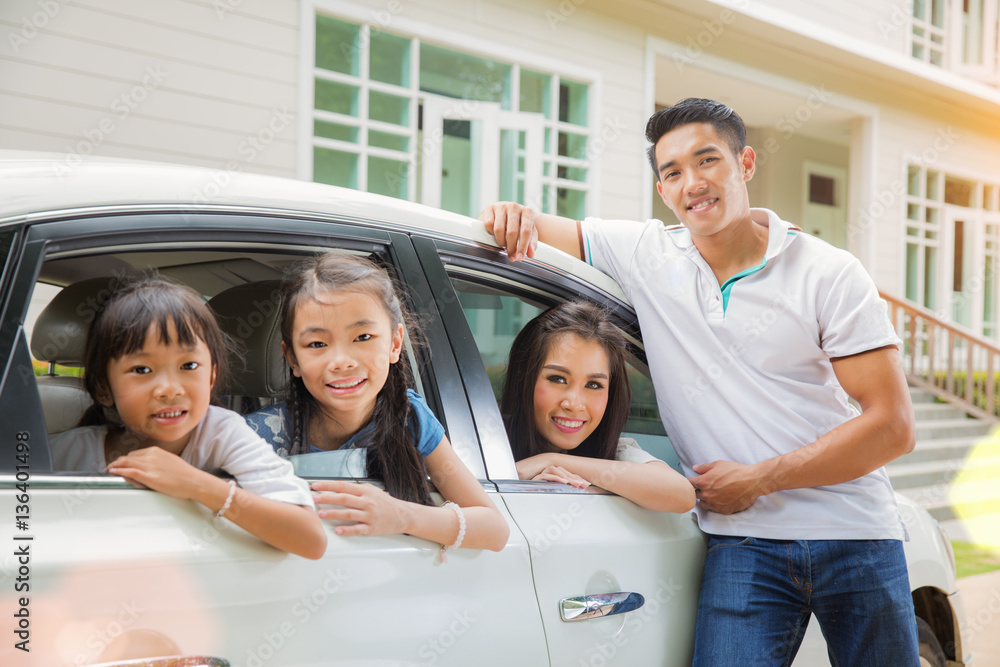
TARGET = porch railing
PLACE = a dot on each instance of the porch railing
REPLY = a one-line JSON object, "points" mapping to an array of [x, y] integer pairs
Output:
{"points": [[948, 360]]}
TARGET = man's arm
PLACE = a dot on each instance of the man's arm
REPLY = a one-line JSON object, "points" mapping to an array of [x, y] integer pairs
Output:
{"points": [[518, 229], [882, 432]]}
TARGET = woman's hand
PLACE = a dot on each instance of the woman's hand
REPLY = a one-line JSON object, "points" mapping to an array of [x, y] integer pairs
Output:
{"points": [[374, 511], [543, 468]]}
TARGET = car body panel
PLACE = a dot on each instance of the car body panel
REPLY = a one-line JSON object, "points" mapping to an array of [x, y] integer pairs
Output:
{"points": [[107, 558]]}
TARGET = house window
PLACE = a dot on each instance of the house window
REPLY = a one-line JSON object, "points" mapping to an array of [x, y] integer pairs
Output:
{"points": [[953, 247], [399, 116], [976, 26], [927, 35]]}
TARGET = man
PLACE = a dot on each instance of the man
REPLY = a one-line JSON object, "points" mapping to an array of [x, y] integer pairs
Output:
{"points": [[756, 336]]}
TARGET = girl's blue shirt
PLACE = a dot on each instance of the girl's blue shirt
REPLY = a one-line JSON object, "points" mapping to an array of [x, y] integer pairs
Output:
{"points": [[273, 424]]}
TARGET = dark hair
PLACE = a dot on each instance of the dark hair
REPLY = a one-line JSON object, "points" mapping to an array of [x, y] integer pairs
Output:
{"points": [[125, 319], [392, 456], [527, 355], [726, 122]]}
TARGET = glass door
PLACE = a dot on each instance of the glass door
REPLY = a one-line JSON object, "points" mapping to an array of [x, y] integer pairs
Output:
{"points": [[473, 153], [966, 271]]}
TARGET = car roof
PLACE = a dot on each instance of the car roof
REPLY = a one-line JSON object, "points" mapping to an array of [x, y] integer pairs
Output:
{"points": [[39, 185]]}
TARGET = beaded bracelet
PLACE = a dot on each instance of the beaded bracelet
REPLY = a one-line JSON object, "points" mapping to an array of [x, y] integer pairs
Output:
{"points": [[229, 499], [443, 554]]}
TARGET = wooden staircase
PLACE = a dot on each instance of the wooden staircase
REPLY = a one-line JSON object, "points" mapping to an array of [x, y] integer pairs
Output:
{"points": [[954, 470]]}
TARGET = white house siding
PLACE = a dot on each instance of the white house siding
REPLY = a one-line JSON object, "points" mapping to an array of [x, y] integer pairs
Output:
{"points": [[179, 81], [881, 24]]}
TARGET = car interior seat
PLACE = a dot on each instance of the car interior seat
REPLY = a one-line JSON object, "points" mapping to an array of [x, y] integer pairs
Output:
{"points": [[248, 314], [58, 337]]}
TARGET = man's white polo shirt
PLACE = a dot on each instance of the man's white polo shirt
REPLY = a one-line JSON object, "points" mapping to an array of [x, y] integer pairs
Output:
{"points": [[742, 371]]}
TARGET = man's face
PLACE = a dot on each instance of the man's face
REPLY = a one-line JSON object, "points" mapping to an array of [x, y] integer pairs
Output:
{"points": [[700, 178]]}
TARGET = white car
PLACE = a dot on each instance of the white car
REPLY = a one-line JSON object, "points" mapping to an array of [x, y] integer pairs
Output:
{"points": [[95, 571]]}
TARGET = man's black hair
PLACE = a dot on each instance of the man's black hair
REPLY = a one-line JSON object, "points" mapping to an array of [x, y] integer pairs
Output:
{"points": [[726, 122]]}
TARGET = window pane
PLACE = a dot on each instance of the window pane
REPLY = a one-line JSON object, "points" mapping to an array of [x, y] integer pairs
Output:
{"points": [[958, 192], [336, 97], [912, 212], [573, 173], [390, 59], [571, 203], [912, 268], [913, 181], [572, 102], [335, 167], [535, 89], [937, 13], [930, 274], [388, 177], [337, 45], [388, 108], [454, 74], [920, 9], [573, 145], [495, 318], [395, 142], [932, 185], [510, 166], [335, 131]]}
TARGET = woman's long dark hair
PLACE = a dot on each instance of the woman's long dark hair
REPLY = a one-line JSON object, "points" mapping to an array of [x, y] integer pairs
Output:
{"points": [[392, 455], [527, 355], [123, 322]]}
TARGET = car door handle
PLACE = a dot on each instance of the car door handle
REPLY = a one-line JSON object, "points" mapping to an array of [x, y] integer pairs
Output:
{"points": [[596, 606]]}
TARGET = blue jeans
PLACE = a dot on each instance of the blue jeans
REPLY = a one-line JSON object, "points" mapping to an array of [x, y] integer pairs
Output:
{"points": [[757, 596]]}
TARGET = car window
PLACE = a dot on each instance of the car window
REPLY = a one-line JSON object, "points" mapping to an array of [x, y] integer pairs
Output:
{"points": [[497, 314], [70, 288]]}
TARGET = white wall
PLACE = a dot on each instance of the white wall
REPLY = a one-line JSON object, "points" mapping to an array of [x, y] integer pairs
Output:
{"points": [[176, 81]]}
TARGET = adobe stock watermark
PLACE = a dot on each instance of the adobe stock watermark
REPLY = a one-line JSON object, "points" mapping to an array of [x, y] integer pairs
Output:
{"points": [[98, 640], [32, 25], [881, 203], [272, 641], [793, 121], [725, 358], [604, 653], [703, 39], [121, 108], [563, 11], [249, 148], [434, 648], [900, 16]]}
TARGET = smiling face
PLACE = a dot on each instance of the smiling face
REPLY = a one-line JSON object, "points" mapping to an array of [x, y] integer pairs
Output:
{"points": [[161, 391], [571, 391], [700, 178], [342, 347]]}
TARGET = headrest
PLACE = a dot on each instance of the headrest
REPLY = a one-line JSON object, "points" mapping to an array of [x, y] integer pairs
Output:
{"points": [[249, 314], [60, 332]]}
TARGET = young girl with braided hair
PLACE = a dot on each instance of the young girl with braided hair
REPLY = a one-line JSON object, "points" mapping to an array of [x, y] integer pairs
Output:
{"points": [[342, 326]]}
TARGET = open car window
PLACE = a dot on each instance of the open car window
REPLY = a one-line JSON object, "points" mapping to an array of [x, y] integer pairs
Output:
{"points": [[241, 287], [496, 313]]}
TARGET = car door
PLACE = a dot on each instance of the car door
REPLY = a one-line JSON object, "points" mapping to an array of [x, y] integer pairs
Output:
{"points": [[581, 543], [107, 567]]}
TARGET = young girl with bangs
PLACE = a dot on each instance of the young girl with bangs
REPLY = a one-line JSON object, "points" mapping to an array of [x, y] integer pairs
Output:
{"points": [[342, 327], [154, 354], [565, 402]]}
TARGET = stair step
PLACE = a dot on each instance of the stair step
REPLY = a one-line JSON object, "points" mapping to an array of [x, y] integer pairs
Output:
{"points": [[952, 428], [942, 449], [954, 501], [918, 395], [928, 473], [935, 411]]}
